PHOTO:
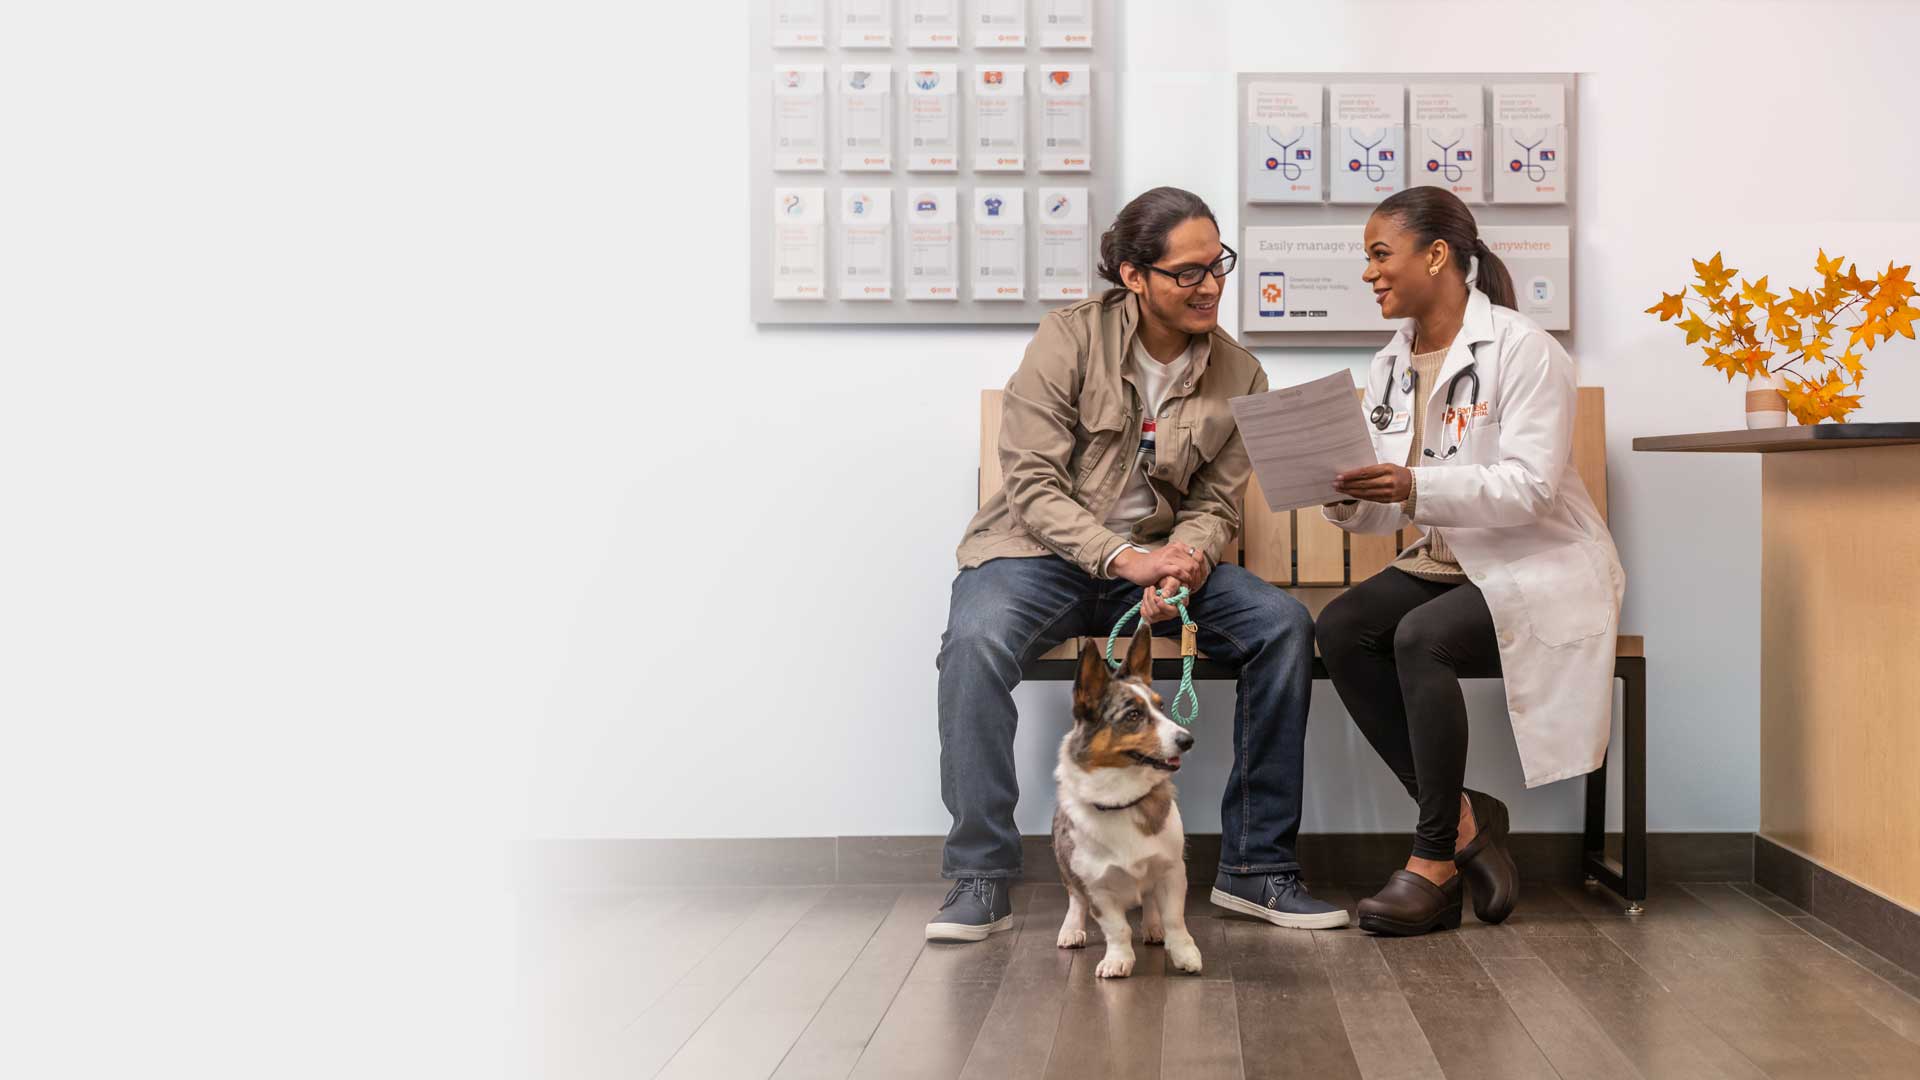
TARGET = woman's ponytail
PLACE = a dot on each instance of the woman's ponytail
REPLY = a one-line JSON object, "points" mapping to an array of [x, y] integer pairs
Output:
{"points": [[1493, 278]]}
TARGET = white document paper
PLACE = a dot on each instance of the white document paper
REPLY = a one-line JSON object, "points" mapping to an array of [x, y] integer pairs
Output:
{"points": [[799, 244], [1449, 137], [1065, 253], [999, 244], [1301, 437], [933, 24], [800, 118], [866, 118], [1066, 121], [933, 253], [1531, 126], [1000, 118], [1000, 24], [866, 24], [1066, 24], [933, 119], [799, 24], [1369, 141], [866, 244], [1283, 133]]}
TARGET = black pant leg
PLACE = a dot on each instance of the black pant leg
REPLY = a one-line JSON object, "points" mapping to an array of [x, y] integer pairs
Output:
{"points": [[1432, 644], [1356, 634]]}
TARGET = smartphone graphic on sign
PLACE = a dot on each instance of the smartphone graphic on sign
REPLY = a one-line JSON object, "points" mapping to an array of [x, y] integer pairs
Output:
{"points": [[1273, 294]]}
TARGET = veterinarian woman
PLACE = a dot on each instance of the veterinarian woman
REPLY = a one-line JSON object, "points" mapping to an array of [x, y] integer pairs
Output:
{"points": [[1472, 408]]}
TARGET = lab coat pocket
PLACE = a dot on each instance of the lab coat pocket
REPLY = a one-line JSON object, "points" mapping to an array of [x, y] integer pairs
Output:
{"points": [[1566, 598], [1483, 444]]}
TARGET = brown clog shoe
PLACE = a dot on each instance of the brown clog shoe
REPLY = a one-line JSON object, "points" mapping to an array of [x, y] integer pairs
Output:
{"points": [[1486, 863], [1410, 904]]}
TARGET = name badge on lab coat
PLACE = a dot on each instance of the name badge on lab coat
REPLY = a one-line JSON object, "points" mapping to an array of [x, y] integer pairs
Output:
{"points": [[1400, 422]]}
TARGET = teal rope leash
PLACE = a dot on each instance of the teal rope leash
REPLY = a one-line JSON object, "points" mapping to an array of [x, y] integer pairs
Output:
{"points": [[1189, 648]]}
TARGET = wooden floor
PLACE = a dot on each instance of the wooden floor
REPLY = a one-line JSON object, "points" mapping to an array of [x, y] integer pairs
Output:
{"points": [[1715, 980]]}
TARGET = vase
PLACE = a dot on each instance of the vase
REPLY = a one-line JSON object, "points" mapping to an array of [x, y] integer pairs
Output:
{"points": [[1766, 408]]}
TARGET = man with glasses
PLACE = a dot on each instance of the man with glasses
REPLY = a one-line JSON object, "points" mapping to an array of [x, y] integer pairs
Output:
{"points": [[1123, 472]]}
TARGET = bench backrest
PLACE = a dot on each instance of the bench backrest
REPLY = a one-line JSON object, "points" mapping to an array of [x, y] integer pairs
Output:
{"points": [[1303, 551]]}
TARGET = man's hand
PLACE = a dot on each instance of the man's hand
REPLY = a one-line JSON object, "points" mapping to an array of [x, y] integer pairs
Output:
{"points": [[1148, 569], [1153, 609], [1376, 483]]}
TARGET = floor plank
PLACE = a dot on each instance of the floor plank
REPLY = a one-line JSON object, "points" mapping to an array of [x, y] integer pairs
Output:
{"points": [[928, 1031], [1900, 978], [1200, 1035], [1648, 1024], [930, 1026], [1289, 1021], [839, 1032], [1570, 1038], [1879, 998], [1787, 1023], [1739, 909], [1774, 903], [1111, 1027], [1386, 1039], [597, 983], [1465, 1017], [1016, 1039], [645, 1046], [751, 1031]]}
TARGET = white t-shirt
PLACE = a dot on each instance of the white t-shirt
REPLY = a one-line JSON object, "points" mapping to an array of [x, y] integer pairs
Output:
{"points": [[1155, 379]]}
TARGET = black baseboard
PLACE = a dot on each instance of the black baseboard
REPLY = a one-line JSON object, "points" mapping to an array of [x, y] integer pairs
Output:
{"points": [[1888, 928], [906, 860]]}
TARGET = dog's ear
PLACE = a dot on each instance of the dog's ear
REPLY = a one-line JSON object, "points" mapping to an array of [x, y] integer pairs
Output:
{"points": [[1090, 683], [1140, 653]]}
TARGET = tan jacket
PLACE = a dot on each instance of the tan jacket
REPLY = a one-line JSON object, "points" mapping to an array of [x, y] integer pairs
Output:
{"points": [[1070, 432]]}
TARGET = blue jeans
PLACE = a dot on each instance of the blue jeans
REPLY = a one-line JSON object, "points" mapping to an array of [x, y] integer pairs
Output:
{"points": [[1008, 611]]}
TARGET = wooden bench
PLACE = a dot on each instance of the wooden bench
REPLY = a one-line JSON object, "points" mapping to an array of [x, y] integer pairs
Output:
{"points": [[1316, 561]]}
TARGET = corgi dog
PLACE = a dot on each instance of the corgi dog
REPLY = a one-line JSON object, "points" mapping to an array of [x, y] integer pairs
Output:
{"points": [[1116, 829]]}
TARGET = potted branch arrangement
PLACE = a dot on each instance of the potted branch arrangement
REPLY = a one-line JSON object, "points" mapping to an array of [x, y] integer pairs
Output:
{"points": [[1785, 345]]}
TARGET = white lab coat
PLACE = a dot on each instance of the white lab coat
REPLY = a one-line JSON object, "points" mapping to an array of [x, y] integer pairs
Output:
{"points": [[1520, 521]]}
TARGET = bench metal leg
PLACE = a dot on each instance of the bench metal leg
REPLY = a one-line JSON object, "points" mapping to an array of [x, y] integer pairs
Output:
{"points": [[1628, 877]]}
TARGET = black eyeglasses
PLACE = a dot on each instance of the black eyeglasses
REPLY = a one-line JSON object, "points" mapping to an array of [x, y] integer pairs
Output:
{"points": [[1190, 276]]}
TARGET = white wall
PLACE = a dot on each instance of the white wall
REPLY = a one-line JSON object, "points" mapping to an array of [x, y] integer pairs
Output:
{"points": [[744, 535]]}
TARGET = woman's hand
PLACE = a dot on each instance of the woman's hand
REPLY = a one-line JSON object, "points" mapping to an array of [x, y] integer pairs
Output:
{"points": [[1376, 483]]}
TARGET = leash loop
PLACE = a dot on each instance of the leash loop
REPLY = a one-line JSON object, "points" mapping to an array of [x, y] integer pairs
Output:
{"points": [[1186, 703]]}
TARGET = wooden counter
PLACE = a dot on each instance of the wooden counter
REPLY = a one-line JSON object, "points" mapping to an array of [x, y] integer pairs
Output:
{"points": [[1840, 644]]}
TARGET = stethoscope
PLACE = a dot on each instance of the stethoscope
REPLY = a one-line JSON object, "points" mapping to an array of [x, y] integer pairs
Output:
{"points": [[1382, 414], [1375, 171], [1535, 171], [1444, 165], [1283, 161]]}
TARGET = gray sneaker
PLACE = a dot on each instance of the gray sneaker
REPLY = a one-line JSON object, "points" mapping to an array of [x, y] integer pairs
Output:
{"points": [[1281, 899], [976, 907]]}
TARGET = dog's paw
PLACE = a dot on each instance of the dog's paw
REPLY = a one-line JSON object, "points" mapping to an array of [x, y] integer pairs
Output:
{"points": [[1072, 939], [1153, 933], [1114, 967], [1185, 956]]}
